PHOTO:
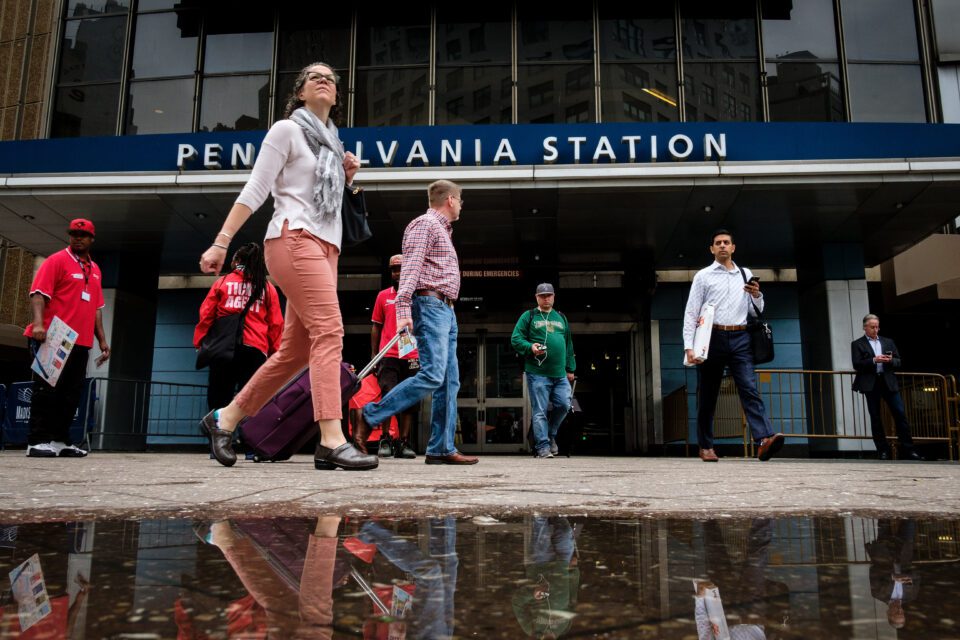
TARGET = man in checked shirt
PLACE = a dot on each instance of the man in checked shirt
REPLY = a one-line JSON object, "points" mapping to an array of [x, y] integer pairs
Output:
{"points": [[429, 285], [722, 284]]}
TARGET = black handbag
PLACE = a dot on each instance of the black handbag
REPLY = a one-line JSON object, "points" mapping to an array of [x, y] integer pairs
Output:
{"points": [[761, 334], [222, 340], [354, 216]]}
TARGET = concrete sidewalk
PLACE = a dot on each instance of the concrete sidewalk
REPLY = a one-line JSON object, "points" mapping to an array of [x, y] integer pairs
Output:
{"points": [[159, 485]]}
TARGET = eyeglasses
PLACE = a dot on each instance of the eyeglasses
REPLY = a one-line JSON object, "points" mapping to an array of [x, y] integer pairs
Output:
{"points": [[330, 78], [459, 199]]}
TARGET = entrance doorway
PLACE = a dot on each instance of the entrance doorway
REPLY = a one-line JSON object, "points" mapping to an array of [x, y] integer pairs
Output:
{"points": [[604, 394], [492, 404]]}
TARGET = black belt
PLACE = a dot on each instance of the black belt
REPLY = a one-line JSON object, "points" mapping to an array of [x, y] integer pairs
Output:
{"points": [[433, 293]]}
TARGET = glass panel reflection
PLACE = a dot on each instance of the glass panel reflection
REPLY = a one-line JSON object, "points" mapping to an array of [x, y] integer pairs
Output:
{"points": [[467, 424], [804, 90], [239, 40], [722, 92], [165, 106], [504, 369], [391, 97], [92, 50], [550, 31], [235, 103], [461, 38], [162, 48], [886, 93], [799, 28], [879, 30], [639, 92], [314, 35], [636, 34], [86, 111], [531, 575], [391, 36], [556, 93], [77, 8], [504, 425], [719, 31], [473, 95]]}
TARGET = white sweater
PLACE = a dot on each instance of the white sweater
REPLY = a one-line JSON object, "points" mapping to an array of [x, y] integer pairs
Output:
{"points": [[286, 167]]}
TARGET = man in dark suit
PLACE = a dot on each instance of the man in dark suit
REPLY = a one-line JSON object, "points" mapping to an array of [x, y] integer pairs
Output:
{"points": [[892, 579], [875, 359]]}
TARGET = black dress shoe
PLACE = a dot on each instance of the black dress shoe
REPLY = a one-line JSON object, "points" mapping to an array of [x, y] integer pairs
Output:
{"points": [[402, 449], [220, 441], [883, 455], [913, 455], [346, 456], [386, 448]]}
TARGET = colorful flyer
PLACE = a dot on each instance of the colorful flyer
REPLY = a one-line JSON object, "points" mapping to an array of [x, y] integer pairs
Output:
{"points": [[49, 359], [406, 345], [402, 602], [30, 592]]}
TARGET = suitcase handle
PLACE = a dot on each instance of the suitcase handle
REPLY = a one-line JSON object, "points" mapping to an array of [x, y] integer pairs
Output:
{"points": [[377, 358]]}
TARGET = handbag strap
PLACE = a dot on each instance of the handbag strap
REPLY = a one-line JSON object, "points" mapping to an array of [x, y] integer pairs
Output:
{"points": [[743, 275]]}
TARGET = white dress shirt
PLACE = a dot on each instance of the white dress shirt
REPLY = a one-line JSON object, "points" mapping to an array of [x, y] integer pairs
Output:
{"points": [[725, 290], [875, 345]]}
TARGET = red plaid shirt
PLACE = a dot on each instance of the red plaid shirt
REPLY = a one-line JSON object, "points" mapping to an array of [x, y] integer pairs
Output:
{"points": [[429, 260]]}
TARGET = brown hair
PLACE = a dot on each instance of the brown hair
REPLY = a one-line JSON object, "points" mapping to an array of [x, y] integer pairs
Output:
{"points": [[438, 191], [294, 102]]}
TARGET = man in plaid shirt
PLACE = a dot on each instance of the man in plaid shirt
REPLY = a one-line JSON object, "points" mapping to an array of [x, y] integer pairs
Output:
{"points": [[429, 285]]}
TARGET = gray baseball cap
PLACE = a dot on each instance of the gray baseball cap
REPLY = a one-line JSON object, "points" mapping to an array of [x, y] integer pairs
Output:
{"points": [[544, 288]]}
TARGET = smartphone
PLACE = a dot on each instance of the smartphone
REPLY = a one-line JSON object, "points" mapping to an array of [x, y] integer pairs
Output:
{"points": [[888, 353], [753, 279]]}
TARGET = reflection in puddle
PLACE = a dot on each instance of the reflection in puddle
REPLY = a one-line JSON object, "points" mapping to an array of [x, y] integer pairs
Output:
{"points": [[537, 576]]}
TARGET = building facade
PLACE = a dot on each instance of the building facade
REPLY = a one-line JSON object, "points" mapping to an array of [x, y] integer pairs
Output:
{"points": [[598, 148]]}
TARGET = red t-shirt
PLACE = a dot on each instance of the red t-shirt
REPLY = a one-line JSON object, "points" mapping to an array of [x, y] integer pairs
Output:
{"points": [[73, 291], [52, 627], [263, 326], [384, 313]]}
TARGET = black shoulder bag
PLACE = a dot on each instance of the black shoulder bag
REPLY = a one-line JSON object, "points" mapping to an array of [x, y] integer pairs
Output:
{"points": [[761, 335], [223, 338], [354, 217]]}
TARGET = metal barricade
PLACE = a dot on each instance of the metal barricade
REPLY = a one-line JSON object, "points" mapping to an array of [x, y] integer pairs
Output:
{"points": [[728, 419], [135, 414]]}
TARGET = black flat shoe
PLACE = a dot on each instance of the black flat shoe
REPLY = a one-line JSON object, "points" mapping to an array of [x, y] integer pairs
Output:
{"points": [[220, 441], [346, 456], [386, 448], [404, 450]]}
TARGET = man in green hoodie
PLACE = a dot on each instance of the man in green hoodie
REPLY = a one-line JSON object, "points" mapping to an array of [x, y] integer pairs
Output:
{"points": [[542, 337]]}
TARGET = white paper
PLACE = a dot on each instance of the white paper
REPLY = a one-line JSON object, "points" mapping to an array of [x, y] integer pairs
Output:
{"points": [[54, 351], [30, 592], [714, 607], [701, 337]]}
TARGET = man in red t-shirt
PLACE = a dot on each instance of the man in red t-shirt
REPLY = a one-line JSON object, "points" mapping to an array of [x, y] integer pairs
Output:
{"points": [[68, 285], [393, 369]]}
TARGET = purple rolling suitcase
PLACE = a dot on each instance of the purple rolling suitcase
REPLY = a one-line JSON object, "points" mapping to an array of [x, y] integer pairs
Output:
{"points": [[286, 424]]}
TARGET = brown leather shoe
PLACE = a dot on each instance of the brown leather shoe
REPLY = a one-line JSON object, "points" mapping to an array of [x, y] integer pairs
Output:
{"points": [[453, 458], [769, 446], [220, 440], [360, 432], [709, 455]]}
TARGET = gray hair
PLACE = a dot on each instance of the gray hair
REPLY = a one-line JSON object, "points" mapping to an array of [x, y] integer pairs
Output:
{"points": [[870, 316]]}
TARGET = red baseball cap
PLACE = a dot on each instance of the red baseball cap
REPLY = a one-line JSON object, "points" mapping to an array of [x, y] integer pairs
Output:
{"points": [[83, 225]]}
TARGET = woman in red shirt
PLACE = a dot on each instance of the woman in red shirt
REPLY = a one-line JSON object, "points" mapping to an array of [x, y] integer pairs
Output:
{"points": [[262, 326]]}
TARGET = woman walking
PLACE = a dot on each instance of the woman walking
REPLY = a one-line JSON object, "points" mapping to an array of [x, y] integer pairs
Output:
{"points": [[262, 323], [303, 164]]}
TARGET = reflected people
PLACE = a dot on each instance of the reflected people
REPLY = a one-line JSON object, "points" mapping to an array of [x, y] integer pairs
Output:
{"points": [[543, 603], [742, 588], [892, 578], [288, 567], [434, 574]]}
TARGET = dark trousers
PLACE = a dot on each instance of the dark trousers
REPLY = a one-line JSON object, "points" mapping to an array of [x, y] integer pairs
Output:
{"points": [[52, 408], [730, 349], [895, 402], [226, 379]]}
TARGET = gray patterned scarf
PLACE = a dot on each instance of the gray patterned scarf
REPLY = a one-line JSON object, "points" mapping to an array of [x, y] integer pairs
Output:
{"points": [[324, 141]]}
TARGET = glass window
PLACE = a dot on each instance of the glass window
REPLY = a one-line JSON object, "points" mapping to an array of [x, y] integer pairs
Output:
{"points": [[92, 49], [153, 5], [739, 85], [86, 111], [465, 39], [546, 91], [946, 17], [164, 106], [715, 31], [637, 34], [235, 103], [79, 8], [412, 109], [162, 48], [329, 42], [285, 88], [879, 30], [392, 36], [639, 92], [239, 40], [804, 29], [886, 93], [548, 31], [458, 90], [804, 90]]}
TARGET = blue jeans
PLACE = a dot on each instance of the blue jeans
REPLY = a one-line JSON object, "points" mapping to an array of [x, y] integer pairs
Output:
{"points": [[545, 390], [551, 540], [730, 349], [435, 327]]}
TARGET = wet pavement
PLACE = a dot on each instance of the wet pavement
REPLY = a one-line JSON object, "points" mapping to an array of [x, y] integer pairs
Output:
{"points": [[539, 575], [190, 485]]}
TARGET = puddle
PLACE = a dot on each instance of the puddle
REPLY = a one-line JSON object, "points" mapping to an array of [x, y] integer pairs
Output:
{"points": [[540, 577]]}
